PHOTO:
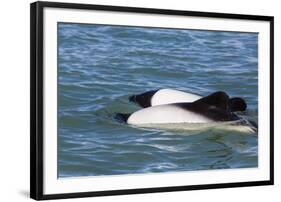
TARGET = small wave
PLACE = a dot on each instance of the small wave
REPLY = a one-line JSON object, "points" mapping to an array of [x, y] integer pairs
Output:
{"points": [[159, 166], [167, 148]]}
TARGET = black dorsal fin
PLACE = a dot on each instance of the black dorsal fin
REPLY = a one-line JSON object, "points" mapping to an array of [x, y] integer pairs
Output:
{"points": [[218, 99]]}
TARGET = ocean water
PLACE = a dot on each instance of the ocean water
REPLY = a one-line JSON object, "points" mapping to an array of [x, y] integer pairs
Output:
{"points": [[100, 66]]}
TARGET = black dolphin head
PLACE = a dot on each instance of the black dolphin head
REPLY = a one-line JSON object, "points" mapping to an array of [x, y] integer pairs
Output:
{"points": [[122, 118], [237, 104], [144, 99]]}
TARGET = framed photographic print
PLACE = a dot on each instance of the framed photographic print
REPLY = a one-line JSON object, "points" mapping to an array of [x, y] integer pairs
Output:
{"points": [[136, 100]]}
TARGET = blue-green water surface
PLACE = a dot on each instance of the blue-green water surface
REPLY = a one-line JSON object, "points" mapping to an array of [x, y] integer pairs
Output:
{"points": [[100, 66]]}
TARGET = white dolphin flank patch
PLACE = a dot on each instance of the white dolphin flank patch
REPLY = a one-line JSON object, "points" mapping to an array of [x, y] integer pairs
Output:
{"points": [[162, 114], [169, 96]]}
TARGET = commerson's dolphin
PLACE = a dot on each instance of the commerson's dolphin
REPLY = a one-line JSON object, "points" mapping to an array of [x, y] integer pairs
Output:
{"points": [[214, 108], [169, 96]]}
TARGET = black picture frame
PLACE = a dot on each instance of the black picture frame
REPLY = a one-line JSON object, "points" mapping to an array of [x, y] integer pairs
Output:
{"points": [[37, 99]]}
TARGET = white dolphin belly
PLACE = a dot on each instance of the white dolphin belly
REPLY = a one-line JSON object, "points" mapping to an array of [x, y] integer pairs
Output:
{"points": [[163, 114], [168, 96]]}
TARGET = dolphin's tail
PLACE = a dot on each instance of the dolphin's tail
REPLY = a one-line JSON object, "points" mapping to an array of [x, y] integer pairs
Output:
{"points": [[122, 117]]}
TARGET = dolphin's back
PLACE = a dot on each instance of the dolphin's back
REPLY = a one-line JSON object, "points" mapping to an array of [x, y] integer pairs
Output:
{"points": [[169, 96]]}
